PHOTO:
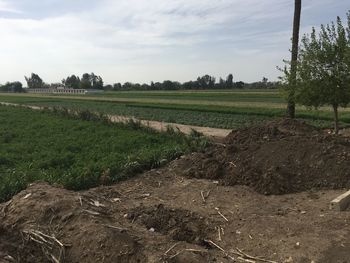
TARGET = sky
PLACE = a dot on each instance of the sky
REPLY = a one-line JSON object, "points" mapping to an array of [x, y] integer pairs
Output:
{"points": [[152, 40]]}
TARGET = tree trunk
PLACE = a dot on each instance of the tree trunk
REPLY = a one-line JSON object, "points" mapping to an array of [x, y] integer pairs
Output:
{"points": [[293, 69], [336, 119]]}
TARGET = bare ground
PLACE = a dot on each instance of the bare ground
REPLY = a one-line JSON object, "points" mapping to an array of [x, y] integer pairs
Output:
{"points": [[139, 220]]}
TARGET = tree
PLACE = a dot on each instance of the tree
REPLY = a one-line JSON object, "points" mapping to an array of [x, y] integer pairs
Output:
{"points": [[71, 82], [34, 82], [85, 82], [117, 86], [96, 81], [15, 86], [293, 69], [91, 81], [206, 82], [229, 81], [324, 68], [239, 85], [264, 82]]}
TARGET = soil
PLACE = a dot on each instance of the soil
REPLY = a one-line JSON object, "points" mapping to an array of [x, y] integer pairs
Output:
{"points": [[175, 214], [283, 156]]}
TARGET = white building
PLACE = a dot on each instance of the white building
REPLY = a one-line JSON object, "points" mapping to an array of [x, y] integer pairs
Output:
{"points": [[62, 90]]}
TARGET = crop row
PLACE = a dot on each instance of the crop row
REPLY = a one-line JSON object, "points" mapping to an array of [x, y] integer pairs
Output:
{"points": [[76, 153], [198, 114]]}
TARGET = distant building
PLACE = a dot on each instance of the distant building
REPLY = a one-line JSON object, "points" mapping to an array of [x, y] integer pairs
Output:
{"points": [[62, 90]]}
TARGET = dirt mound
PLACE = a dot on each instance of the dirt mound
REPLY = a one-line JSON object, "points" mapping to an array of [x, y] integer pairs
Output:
{"points": [[279, 157], [181, 225], [271, 130], [45, 224], [112, 224]]}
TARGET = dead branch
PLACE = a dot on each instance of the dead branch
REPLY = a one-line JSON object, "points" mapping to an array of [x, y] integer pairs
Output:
{"points": [[116, 227], [231, 163], [207, 195], [219, 232], [196, 250], [221, 249], [143, 196], [246, 256], [49, 244], [203, 198], [222, 216], [171, 248], [9, 258], [92, 212]]}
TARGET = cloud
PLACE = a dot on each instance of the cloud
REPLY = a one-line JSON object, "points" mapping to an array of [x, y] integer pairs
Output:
{"points": [[6, 7], [157, 39]]}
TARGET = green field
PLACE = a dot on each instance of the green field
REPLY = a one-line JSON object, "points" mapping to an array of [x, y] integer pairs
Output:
{"points": [[77, 152], [82, 151], [220, 109], [209, 95]]}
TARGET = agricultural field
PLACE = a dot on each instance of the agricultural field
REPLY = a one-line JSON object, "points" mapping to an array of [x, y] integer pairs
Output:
{"points": [[218, 109], [117, 192], [77, 152], [262, 195]]}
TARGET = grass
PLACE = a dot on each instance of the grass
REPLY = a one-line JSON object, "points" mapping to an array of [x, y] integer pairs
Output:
{"points": [[203, 108], [78, 151]]}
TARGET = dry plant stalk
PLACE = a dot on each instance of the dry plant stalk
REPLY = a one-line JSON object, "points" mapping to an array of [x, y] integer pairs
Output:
{"points": [[221, 249], [222, 216], [116, 227], [49, 245], [171, 248], [203, 198], [249, 257], [219, 233], [240, 255]]}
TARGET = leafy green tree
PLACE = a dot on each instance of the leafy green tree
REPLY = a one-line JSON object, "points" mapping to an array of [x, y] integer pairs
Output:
{"points": [[15, 86], [264, 82], [117, 86], [324, 68], [71, 82], [34, 82], [229, 81], [206, 82], [239, 85], [96, 81], [85, 82], [91, 81]]}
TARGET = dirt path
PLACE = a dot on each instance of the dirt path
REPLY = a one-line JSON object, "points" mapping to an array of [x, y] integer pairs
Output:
{"points": [[157, 125]]}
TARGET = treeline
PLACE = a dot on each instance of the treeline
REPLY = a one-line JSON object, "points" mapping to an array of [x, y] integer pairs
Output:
{"points": [[87, 81], [15, 87], [93, 81], [202, 83]]}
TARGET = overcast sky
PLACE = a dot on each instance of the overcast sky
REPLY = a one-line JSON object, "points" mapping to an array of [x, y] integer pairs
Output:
{"points": [[144, 40]]}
